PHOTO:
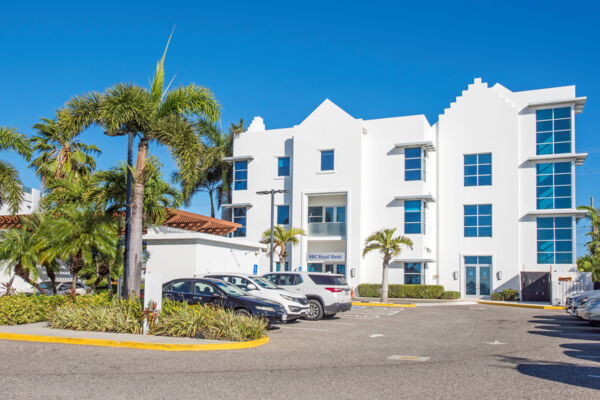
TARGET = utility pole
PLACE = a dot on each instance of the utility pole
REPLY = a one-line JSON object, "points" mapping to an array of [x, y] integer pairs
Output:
{"points": [[130, 139], [272, 193]]}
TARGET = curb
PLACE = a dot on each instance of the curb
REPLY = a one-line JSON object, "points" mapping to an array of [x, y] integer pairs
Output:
{"points": [[541, 307], [135, 345], [382, 304]]}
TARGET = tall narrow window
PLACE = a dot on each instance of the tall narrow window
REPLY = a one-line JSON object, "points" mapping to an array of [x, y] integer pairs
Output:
{"points": [[478, 169], [413, 273], [239, 217], [414, 216], [283, 166], [240, 175], [283, 215], [340, 214], [414, 164], [553, 130], [555, 240], [553, 185], [327, 163], [478, 220]]}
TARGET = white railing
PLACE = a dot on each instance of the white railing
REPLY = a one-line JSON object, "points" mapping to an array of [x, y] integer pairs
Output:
{"points": [[562, 289]]}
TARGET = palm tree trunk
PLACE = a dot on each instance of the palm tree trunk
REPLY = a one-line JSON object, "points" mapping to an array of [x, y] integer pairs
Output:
{"points": [[211, 193], [23, 274], [76, 266], [102, 271], [225, 198], [52, 276], [134, 253], [384, 282]]}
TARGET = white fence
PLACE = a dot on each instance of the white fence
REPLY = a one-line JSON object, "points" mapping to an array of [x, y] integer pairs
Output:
{"points": [[562, 289]]}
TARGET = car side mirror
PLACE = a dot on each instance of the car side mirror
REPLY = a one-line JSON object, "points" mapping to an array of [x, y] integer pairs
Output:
{"points": [[251, 286]]}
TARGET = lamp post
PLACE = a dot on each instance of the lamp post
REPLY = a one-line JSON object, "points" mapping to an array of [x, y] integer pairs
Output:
{"points": [[272, 193]]}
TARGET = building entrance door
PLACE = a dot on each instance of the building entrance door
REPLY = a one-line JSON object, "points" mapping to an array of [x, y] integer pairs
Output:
{"points": [[478, 276]]}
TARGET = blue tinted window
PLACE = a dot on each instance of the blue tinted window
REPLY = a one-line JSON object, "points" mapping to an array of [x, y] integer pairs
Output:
{"points": [[239, 217], [553, 131], [414, 216], [478, 220], [478, 169], [283, 166], [553, 185], [414, 164], [240, 175], [413, 273], [555, 240], [327, 160], [340, 214], [283, 215]]}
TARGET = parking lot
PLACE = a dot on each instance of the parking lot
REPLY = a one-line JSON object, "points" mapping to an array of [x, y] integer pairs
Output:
{"points": [[446, 351]]}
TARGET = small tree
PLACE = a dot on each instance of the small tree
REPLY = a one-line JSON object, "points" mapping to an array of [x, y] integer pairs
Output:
{"points": [[19, 255], [591, 261], [11, 188], [281, 237], [389, 246]]}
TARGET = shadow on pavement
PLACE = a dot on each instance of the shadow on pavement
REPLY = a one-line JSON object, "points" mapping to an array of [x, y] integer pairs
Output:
{"points": [[582, 351], [564, 326], [571, 374]]}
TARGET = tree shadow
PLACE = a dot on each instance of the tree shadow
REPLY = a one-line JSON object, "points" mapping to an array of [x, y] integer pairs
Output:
{"points": [[564, 326]]}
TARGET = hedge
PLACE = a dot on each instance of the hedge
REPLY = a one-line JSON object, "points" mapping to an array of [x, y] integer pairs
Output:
{"points": [[506, 295], [402, 291], [450, 295]]}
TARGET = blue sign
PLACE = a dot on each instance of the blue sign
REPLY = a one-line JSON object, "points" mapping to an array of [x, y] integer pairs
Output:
{"points": [[300, 268], [255, 269]]}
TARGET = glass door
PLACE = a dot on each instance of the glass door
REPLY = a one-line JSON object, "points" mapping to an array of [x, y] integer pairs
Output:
{"points": [[478, 276]]}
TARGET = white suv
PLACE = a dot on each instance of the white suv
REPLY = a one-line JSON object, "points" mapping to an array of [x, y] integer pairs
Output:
{"points": [[327, 294], [295, 304]]}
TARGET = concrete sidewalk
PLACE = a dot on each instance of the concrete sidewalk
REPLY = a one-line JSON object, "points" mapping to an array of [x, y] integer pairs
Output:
{"points": [[41, 332]]}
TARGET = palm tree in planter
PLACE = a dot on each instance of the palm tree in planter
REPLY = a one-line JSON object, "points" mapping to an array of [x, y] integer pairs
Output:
{"points": [[389, 246], [156, 115], [11, 188], [19, 255], [281, 237]]}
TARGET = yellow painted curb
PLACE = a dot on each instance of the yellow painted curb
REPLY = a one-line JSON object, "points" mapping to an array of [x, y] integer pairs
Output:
{"points": [[498, 303], [135, 345], [383, 305]]}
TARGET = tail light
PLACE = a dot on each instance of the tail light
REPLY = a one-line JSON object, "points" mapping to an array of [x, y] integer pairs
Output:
{"points": [[334, 290]]}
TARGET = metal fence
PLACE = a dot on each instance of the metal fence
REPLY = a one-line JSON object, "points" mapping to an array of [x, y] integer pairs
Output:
{"points": [[562, 289]]}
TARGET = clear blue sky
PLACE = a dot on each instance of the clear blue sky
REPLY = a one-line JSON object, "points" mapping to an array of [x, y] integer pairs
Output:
{"points": [[280, 60]]}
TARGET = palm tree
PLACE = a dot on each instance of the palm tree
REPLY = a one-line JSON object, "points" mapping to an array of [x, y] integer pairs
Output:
{"points": [[591, 261], [389, 246], [218, 145], [59, 154], [281, 237], [155, 115], [11, 187], [208, 181], [19, 255]]}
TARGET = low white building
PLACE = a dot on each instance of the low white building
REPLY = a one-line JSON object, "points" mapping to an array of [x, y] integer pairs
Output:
{"points": [[485, 194], [29, 204]]}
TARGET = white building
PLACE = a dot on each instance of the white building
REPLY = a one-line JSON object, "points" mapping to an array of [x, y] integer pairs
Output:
{"points": [[485, 193], [29, 204]]}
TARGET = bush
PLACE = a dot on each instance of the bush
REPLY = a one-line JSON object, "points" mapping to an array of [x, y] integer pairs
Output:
{"points": [[23, 309], [402, 291], [450, 295], [497, 296], [510, 294]]}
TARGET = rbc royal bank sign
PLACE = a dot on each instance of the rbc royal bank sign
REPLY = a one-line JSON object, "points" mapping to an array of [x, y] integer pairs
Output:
{"points": [[326, 257]]}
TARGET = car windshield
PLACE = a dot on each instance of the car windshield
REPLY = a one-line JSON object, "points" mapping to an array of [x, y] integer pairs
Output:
{"points": [[263, 283], [230, 289]]}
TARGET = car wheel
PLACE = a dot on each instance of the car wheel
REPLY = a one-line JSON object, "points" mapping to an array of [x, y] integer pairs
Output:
{"points": [[328, 316], [315, 311], [242, 311]]}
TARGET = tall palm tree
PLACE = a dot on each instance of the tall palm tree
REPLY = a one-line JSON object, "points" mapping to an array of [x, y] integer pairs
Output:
{"points": [[59, 153], [11, 187], [389, 246], [218, 145], [209, 181], [281, 237], [590, 262], [19, 255], [156, 115]]}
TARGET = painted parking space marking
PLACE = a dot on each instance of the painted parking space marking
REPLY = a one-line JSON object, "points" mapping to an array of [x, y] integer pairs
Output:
{"points": [[495, 342], [407, 358], [374, 335]]}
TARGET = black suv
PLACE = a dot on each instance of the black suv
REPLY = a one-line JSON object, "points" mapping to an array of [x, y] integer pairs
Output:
{"points": [[224, 294]]}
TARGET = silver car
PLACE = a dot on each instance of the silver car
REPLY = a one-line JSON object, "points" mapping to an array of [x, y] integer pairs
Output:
{"points": [[573, 302], [589, 310]]}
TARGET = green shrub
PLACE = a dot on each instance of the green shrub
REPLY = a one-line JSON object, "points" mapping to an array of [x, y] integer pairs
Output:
{"points": [[497, 296], [450, 295], [402, 291], [120, 316], [23, 309], [510, 294]]}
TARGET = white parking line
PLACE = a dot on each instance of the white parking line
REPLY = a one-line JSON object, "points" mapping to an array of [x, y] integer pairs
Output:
{"points": [[333, 323], [305, 329], [408, 358], [374, 335]]}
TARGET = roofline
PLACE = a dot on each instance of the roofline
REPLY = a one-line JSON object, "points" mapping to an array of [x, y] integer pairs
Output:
{"points": [[576, 102]]}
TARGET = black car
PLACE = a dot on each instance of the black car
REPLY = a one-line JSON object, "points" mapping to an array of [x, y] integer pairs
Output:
{"points": [[224, 294]]}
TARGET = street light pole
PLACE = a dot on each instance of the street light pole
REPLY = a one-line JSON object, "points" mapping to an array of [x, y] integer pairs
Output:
{"points": [[130, 139], [272, 193]]}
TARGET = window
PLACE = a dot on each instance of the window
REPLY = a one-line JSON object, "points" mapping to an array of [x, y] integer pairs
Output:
{"points": [[340, 214], [203, 289], [283, 166], [240, 175], [414, 216], [278, 266], [478, 220], [327, 160], [239, 217], [315, 267], [325, 280], [283, 215], [555, 240], [315, 214], [478, 169], [329, 214], [553, 130], [553, 185], [412, 273], [181, 287], [414, 164]]}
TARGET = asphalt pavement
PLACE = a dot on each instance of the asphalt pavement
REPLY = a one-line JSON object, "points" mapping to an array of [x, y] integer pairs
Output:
{"points": [[463, 351]]}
